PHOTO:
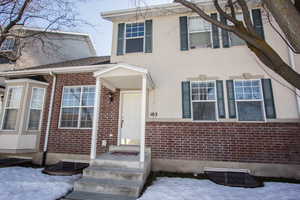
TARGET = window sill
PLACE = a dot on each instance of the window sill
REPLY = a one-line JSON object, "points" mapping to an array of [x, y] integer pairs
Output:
{"points": [[70, 128]]}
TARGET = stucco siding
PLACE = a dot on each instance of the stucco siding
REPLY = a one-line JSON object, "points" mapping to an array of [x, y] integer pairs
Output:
{"points": [[169, 66]]}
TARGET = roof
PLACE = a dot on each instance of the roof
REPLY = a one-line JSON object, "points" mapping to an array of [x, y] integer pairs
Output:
{"points": [[162, 10], [97, 60]]}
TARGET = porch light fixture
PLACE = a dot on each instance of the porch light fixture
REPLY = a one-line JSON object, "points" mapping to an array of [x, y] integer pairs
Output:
{"points": [[111, 97]]}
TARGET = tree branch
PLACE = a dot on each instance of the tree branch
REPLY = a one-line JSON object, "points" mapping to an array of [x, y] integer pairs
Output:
{"points": [[202, 14], [246, 15], [224, 14]]}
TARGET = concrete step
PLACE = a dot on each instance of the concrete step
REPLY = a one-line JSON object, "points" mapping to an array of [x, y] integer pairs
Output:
{"points": [[107, 186], [124, 148], [114, 173], [116, 161], [95, 196]]}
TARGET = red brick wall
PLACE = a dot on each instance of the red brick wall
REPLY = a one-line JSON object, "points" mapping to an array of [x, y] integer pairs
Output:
{"points": [[78, 141], [236, 142]]}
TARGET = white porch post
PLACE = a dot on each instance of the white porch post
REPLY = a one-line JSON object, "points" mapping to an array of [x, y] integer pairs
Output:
{"points": [[143, 118], [96, 118]]}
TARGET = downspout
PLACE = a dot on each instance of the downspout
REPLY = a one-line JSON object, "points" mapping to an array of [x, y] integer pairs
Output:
{"points": [[49, 118], [293, 65]]}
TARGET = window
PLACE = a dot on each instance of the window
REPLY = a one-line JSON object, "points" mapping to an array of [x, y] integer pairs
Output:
{"points": [[77, 107], [234, 39], [199, 33], [11, 108], [135, 33], [36, 107], [204, 100], [8, 44], [249, 100]]}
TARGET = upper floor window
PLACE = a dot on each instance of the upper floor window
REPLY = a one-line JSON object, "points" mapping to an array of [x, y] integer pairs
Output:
{"points": [[135, 34], [12, 107], [77, 107], [234, 39], [204, 100], [199, 33], [249, 100], [8, 44], [35, 109]]}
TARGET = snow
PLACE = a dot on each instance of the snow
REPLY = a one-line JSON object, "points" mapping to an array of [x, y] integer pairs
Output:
{"points": [[20, 183], [193, 189]]}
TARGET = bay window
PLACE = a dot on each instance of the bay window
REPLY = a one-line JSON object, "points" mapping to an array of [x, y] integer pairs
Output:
{"points": [[77, 107], [199, 33], [249, 100], [12, 107], [35, 109], [135, 33], [203, 96]]}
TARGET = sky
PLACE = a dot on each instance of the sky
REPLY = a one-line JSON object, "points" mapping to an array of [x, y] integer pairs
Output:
{"points": [[100, 29]]}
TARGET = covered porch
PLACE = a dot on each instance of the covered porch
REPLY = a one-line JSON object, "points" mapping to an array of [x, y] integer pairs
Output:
{"points": [[134, 84]]}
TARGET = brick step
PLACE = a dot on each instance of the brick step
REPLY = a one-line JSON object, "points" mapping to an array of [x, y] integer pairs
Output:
{"points": [[114, 173], [107, 186]]}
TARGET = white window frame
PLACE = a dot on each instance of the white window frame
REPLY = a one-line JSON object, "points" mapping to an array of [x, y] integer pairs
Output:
{"points": [[190, 32], [5, 107], [42, 109], [80, 107], [215, 101], [13, 41], [125, 37], [247, 100]]}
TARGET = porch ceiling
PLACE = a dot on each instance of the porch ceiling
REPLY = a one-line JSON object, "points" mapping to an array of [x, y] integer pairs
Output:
{"points": [[124, 76]]}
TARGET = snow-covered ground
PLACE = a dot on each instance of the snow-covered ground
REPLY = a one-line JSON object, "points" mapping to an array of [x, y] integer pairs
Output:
{"points": [[193, 189], [19, 183]]}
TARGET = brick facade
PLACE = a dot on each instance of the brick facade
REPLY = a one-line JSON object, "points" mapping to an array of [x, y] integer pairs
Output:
{"points": [[78, 141], [236, 142]]}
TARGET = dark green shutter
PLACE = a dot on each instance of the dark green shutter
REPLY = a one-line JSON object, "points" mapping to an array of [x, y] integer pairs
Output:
{"points": [[215, 32], [225, 35], [186, 99], [120, 45], [231, 99], [257, 22], [268, 98], [220, 98], [183, 23], [148, 42]]}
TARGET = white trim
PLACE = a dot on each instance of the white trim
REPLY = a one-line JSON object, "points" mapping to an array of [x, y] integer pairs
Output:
{"points": [[42, 109], [121, 65], [58, 70], [5, 103], [79, 107], [26, 80], [96, 118], [121, 111], [251, 100], [143, 118], [226, 170]]}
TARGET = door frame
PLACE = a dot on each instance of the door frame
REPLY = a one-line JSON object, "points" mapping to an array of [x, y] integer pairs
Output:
{"points": [[122, 92]]}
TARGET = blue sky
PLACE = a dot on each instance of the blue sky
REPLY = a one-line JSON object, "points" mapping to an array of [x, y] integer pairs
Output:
{"points": [[101, 31]]}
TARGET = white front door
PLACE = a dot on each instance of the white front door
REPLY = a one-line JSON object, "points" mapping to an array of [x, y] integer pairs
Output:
{"points": [[130, 118]]}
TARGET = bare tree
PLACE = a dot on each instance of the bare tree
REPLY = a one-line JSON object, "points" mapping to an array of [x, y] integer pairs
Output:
{"points": [[245, 30], [44, 14]]}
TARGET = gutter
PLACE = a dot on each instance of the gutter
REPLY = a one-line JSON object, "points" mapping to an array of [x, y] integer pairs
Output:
{"points": [[293, 64], [49, 119]]}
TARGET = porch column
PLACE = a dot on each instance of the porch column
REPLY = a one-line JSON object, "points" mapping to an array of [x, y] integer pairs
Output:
{"points": [[96, 118], [143, 118]]}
